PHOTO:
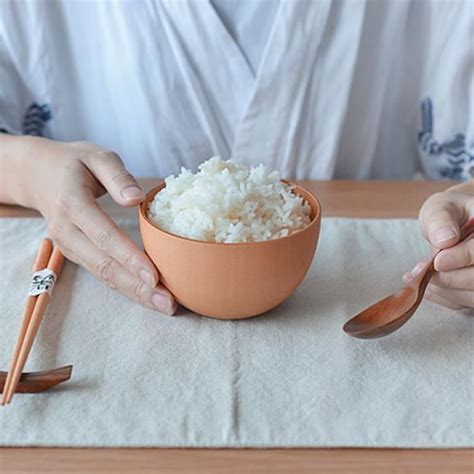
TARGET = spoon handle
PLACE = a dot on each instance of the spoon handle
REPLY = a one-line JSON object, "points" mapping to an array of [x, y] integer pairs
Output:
{"points": [[467, 229], [425, 277]]}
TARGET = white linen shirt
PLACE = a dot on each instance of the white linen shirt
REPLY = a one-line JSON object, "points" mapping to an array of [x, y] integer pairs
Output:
{"points": [[343, 89]]}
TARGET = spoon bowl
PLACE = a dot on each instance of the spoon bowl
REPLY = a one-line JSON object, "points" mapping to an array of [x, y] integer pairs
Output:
{"points": [[397, 310]]}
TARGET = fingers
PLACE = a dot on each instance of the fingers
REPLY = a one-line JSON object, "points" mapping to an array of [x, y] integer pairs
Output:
{"points": [[429, 295], [78, 248], [108, 168], [462, 255], [462, 279], [456, 286], [108, 238], [455, 299], [439, 218]]}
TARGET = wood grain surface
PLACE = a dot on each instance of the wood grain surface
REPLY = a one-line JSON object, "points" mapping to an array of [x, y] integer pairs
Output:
{"points": [[338, 198], [233, 461]]}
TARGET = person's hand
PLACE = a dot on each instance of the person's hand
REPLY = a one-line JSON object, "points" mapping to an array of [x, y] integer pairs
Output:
{"points": [[62, 181], [441, 218]]}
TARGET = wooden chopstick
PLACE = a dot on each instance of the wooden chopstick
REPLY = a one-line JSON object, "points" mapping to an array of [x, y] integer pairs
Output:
{"points": [[42, 258], [55, 264]]}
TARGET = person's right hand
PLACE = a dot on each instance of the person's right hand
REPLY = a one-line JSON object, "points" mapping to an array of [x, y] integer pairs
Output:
{"points": [[62, 181]]}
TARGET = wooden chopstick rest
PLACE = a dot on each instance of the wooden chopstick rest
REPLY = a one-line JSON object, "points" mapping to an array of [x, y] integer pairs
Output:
{"points": [[34, 382]]}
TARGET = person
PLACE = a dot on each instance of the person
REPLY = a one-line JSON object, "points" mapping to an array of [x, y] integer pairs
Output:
{"points": [[95, 94]]}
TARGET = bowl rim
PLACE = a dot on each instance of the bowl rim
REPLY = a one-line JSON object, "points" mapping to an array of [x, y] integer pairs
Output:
{"points": [[153, 191]]}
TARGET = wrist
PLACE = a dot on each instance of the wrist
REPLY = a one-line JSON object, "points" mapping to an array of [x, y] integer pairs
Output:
{"points": [[19, 161]]}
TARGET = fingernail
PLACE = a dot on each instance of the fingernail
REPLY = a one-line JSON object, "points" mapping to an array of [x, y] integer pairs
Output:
{"points": [[132, 192], [147, 277], [162, 303], [417, 268], [444, 234]]}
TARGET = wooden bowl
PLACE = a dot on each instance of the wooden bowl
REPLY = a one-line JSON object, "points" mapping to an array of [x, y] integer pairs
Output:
{"points": [[231, 281]]}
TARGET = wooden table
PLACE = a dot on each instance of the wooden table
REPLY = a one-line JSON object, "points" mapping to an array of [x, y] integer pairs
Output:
{"points": [[338, 198]]}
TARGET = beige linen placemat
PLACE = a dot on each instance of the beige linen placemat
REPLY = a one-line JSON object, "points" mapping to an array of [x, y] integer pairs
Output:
{"points": [[289, 378]]}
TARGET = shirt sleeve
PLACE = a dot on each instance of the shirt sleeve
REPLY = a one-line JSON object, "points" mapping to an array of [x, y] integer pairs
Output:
{"points": [[14, 96], [446, 134]]}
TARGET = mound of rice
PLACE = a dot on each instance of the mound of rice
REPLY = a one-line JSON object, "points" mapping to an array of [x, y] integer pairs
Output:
{"points": [[227, 202]]}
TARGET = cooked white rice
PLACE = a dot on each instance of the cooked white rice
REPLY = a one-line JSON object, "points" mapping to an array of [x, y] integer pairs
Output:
{"points": [[228, 202]]}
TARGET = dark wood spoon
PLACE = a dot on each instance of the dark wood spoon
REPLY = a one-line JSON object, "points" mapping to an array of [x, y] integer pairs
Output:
{"points": [[391, 313]]}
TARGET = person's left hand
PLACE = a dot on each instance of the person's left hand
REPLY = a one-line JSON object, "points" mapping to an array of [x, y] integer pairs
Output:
{"points": [[441, 218]]}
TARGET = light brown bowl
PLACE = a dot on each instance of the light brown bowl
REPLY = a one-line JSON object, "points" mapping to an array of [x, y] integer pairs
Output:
{"points": [[231, 281]]}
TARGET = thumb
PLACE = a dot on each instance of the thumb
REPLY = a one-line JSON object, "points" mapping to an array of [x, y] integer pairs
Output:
{"points": [[439, 218], [109, 169]]}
